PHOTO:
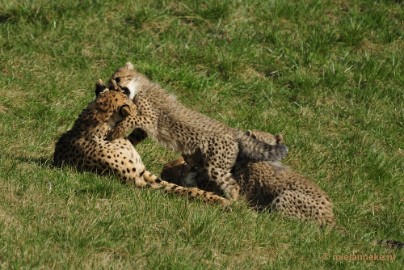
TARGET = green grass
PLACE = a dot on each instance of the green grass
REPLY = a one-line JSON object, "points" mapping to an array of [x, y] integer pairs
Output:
{"points": [[328, 75]]}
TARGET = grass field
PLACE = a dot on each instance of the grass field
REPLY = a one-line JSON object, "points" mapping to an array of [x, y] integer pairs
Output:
{"points": [[328, 75]]}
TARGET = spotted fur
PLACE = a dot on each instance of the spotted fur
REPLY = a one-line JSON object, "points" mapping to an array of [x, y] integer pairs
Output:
{"points": [[265, 185], [86, 146], [181, 129]]}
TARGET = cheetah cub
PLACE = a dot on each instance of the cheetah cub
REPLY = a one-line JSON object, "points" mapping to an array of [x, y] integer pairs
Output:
{"points": [[181, 129], [86, 146], [264, 185]]}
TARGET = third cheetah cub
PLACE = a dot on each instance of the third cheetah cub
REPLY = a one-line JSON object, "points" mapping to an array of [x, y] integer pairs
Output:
{"points": [[264, 185], [175, 126]]}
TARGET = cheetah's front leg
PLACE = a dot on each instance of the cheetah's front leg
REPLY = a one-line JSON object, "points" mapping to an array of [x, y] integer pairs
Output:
{"points": [[118, 157], [129, 123], [225, 181], [218, 166], [122, 128], [119, 131]]}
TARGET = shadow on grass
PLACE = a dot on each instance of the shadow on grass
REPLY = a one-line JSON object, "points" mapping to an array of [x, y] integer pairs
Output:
{"points": [[4, 18], [42, 162], [97, 189]]}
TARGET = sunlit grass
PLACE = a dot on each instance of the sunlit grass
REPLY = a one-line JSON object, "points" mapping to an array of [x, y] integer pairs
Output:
{"points": [[326, 74]]}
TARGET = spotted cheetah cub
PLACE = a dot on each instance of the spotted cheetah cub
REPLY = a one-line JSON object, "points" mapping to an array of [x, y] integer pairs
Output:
{"points": [[86, 147], [181, 129], [264, 185]]}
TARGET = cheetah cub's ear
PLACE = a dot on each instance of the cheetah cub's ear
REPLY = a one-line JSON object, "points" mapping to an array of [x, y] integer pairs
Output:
{"points": [[125, 110], [279, 138], [99, 87], [265, 137], [129, 66], [114, 85], [250, 134]]}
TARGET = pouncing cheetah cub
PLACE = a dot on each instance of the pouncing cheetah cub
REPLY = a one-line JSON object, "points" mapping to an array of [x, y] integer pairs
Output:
{"points": [[264, 185], [181, 129], [86, 147]]}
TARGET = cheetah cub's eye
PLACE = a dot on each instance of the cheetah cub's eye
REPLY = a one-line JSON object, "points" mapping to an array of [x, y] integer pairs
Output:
{"points": [[117, 80]]}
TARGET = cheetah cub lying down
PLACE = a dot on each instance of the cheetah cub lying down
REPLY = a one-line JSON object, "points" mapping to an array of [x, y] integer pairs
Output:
{"points": [[264, 185], [181, 129], [86, 147]]}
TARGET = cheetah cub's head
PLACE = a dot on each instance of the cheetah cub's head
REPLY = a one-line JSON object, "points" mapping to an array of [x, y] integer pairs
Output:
{"points": [[127, 80], [265, 137], [111, 106]]}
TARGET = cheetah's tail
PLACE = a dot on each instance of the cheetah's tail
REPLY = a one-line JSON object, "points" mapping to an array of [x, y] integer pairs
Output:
{"points": [[156, 183], [256, 150]]}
